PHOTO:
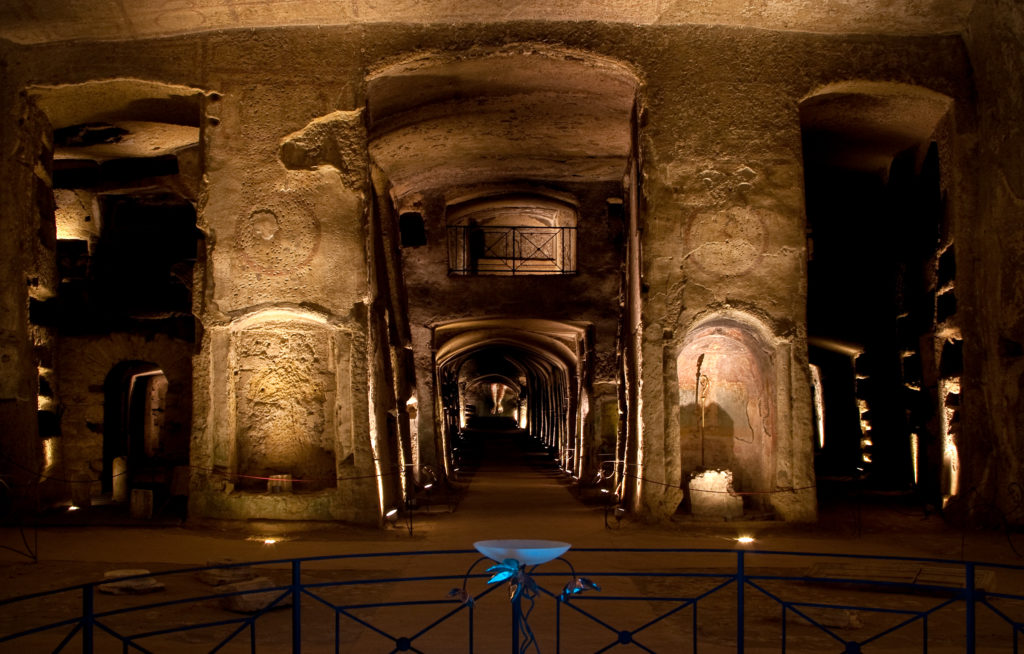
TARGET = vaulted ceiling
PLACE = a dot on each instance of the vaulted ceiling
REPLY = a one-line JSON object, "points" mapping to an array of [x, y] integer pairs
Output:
{"points": [[500, 118], [42, 21]]}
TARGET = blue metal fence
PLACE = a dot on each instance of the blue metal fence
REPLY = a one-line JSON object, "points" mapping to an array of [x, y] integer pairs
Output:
{"points": [[652, 600]]}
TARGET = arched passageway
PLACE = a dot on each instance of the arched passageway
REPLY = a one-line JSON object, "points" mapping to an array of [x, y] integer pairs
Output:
{"points": [[508, 378], [500, 204], [884, 346], [139, 450]]}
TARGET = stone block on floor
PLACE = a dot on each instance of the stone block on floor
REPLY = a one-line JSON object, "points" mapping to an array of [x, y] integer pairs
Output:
{"points": [[139, 586], [253, 602]]}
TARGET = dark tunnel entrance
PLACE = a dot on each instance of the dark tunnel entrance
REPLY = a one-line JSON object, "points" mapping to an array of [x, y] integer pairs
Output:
{"points": [[880, 291], [511, 388]]}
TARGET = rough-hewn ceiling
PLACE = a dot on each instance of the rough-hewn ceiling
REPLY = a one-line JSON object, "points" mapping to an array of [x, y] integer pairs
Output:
{"points": [[546, 117], [41, 21], [862, 126]]}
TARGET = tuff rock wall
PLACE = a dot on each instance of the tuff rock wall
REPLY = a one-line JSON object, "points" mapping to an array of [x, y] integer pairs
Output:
{"points": [[287, 296]]}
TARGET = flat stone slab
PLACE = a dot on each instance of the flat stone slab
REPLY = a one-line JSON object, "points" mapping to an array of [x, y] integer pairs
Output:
{"points": [[253, 602], [221, 576], [139, 586]]}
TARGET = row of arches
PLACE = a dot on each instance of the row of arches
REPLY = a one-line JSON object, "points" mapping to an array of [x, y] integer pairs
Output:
{"points": [[550, 147], [514, 374]]}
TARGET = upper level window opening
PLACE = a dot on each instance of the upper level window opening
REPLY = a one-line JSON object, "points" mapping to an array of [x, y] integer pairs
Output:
{"points": [[517, 235]]}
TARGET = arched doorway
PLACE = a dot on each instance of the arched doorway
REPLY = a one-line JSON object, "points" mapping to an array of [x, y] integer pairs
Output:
{"points": [[514, 374], [135, 444], [881, 300]]}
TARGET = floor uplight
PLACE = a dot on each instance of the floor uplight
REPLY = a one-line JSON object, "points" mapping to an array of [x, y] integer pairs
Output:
{"points": [[268, 540]]}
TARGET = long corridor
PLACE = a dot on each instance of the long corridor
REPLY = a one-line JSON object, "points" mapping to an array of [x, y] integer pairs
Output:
{"points": [[515, 490]]}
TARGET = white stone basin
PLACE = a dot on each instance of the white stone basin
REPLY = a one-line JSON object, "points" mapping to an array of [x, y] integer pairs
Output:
{"points": [[527, 552]]}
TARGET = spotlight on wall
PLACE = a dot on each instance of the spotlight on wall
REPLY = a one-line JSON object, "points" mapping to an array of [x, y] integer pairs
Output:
{"points": [[745, 540], [392, 516], [72, 508], [270, 541], [428, 477]]}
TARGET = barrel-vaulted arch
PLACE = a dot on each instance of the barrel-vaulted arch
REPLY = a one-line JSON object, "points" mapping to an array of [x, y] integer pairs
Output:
{"points": [[878, 157], [523, 128], [538, 359], [500, 117]]}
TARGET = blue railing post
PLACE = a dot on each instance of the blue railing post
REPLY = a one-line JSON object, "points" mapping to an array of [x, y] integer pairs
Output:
{"points": [[517, 615], [296, 607], [969, 598], [87, 619], [740, 583]]}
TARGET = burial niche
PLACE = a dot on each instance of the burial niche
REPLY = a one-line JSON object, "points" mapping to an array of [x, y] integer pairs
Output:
{"points": [[725, 406]]}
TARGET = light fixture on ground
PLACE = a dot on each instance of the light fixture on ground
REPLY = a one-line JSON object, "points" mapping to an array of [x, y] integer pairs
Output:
{"points": [[611, 500], [391, 517], [268, 540]]}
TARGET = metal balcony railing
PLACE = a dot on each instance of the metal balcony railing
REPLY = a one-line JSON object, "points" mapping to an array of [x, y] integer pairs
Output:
{"points": [[651, 600], [511, 250]]}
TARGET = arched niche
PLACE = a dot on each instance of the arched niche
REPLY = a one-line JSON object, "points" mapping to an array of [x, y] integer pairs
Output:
{"points": [[134, 410], [726, 382], [285, 394]]}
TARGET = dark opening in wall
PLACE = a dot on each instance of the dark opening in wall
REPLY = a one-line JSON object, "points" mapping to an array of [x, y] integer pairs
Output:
{"points": [[49, 423], [74, 173], [412, 230], [875, 211], [72, 260], [951, 362], [144, 257], [947, 267], [945, 306], [135, 400]]}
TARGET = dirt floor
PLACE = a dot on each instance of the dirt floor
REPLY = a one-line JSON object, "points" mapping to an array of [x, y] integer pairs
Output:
{"points": [[512, 494]]}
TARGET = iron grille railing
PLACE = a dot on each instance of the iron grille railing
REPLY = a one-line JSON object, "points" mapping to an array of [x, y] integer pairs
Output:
{"points": [[652, 600], [511, 250]]}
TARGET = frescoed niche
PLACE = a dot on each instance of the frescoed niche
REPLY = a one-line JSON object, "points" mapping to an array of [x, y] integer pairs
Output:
{"points": [[726, 407]]}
